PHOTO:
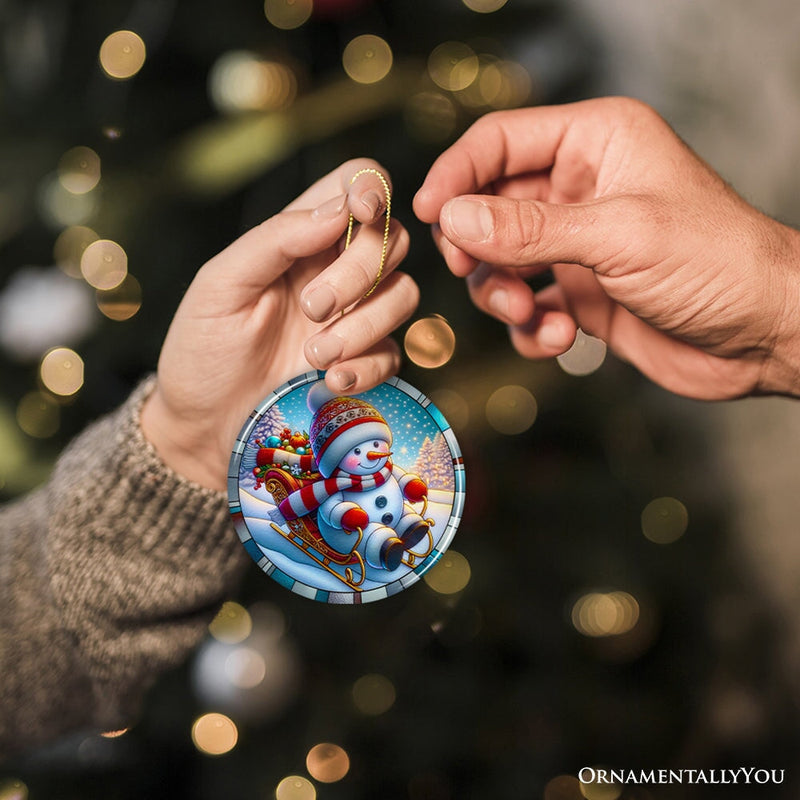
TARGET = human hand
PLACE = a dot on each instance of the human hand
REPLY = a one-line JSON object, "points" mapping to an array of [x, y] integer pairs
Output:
{"points": [[685, 280], [267, 308]]}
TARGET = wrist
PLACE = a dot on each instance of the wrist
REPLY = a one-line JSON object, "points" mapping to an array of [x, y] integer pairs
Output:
{"points": [[183, 454], [781, 373]]}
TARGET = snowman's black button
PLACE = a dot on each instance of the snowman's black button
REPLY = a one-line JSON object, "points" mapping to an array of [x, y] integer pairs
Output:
{"points": [[387, 518], [381, 501]]}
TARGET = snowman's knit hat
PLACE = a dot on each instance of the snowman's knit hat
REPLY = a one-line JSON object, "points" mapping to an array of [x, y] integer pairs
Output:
{"points": [[339, 425]]}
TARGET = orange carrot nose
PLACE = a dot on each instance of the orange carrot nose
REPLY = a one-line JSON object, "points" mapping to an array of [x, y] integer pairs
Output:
{"points": [[374, 455]]}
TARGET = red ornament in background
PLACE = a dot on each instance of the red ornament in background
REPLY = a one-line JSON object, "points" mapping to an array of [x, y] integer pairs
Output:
{"points": [[338, 8]]}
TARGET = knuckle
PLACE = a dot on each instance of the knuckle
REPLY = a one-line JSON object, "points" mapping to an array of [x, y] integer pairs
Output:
{"points": [[523, 230]]}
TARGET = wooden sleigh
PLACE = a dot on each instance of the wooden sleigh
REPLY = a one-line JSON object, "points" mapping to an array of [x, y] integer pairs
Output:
{"points": [[305, 535]]}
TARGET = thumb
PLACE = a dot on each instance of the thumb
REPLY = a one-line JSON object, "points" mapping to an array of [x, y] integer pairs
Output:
{"points": [[517, 233]]}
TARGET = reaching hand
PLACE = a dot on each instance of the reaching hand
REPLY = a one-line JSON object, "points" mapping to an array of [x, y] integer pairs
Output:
{"points": [[267, 308], [650, 250]]}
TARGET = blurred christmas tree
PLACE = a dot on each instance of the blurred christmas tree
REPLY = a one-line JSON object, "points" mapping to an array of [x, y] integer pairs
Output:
{"points": [[139, 138]]}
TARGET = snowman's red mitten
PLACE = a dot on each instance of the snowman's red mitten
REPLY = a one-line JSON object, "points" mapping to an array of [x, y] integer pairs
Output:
{"points": [[354, 518], [415, 490]]}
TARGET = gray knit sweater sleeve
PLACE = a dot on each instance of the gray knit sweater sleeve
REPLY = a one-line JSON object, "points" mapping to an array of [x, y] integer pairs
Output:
{"points": [[109, 574]]}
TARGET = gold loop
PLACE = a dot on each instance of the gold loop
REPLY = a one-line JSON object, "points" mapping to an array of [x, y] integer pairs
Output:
{"points": [[385, 248]]}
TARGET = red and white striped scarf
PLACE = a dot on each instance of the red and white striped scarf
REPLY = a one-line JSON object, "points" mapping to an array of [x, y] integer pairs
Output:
{"points": [[311, 497]]}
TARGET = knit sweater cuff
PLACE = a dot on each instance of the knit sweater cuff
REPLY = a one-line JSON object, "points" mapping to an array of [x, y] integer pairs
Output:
{"points": [[140, 557]]}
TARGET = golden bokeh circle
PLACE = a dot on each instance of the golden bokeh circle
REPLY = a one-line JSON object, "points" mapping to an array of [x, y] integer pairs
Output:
{"points": [[367, 58], [13, 789], [327, 762], [373, 694], [450, 574], [245, 667], [215, 734], [664, 520], [430, 342], [233, 623], [295, 787], [61, 371], [288, 14], [600, 791], [563, 787], [79, 170], [123, 301], [104, 264], [484, 6], [122, 54], [601, 614], [38, 415], [511, 409], [453, 66], [241, 81], [69, 247]]}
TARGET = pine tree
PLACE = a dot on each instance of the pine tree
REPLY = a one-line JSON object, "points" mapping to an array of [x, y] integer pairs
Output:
{"points": [[271, 424]]}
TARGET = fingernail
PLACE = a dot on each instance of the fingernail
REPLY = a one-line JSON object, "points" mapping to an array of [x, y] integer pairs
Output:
{"points": [[329, 209], [470, 219], [498, 303], [326, 350], [344, 379], [551, 335], [372, 201], [319, 302]]}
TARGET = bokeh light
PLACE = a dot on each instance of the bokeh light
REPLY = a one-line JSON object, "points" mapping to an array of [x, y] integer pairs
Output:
{"points": [[122, 54], [599, 790], [373, 694], [511, 409], [123, 301], [454, 407], [327, 762], [295, 787], [245, 668], [500, 84], [288, 14], [42, 308], [586, 355], [38, 415], [430, 342], [69, 246], [450, 574], [13, 789], [453, 66], [241, 81], [664, 520], [215, 734], [104, 264], [114, 734], [367, 59], [599, 614], [60, 207], [79, 170], [232, 624], [484, 6], [431, 116], [563, 787], [61, 371]]}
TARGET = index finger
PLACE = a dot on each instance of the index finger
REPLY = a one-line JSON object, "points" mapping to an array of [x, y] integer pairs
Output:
{"points": [[366, 195], [500, 144]]}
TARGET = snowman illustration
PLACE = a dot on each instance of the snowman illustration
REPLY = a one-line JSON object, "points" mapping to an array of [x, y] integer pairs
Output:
{"points": [[359, 488]]}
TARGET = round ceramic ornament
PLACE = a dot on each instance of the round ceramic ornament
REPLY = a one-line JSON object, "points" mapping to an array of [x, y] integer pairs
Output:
{"points": [[346, 499]]}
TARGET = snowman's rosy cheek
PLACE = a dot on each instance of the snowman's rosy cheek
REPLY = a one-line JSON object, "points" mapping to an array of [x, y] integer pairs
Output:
{"points": [[351, 462]]}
